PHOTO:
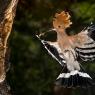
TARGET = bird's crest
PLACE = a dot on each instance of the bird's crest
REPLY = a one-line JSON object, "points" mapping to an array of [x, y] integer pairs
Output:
{"points": [[62, 20]]}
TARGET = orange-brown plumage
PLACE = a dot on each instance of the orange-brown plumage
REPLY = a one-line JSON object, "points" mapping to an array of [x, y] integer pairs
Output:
{"points": [[61, 22]]}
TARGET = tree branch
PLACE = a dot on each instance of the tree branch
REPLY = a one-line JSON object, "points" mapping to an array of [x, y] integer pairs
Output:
{"points": [[7, 14]]}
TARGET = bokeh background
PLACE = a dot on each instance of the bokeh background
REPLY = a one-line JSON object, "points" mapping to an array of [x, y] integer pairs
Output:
{"points": [[32, 70]]}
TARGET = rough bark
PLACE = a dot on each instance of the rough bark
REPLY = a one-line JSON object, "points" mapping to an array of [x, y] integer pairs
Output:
{"points": [[7, 14]]}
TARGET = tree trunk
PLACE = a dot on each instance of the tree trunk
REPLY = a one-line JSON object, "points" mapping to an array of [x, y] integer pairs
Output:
{"points": [[7, 14]]}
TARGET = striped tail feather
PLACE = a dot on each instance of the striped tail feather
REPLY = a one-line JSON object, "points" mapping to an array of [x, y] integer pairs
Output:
{"points": [[74, 79]]}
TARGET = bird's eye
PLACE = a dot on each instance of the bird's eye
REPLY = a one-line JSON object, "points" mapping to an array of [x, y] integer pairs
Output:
{"points": [[59, 26]]}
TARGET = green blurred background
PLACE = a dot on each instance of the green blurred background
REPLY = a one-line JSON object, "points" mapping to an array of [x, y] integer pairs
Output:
{"points": [[32, 70]]}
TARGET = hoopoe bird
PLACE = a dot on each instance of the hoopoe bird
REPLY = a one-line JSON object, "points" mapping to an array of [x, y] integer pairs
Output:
{"points": [[68, 49]]}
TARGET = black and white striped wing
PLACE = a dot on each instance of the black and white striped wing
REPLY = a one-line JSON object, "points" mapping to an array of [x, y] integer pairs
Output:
{"points": [[87, 51], [54, 50]]}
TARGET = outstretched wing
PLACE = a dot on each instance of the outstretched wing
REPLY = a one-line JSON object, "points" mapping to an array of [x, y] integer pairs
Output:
{"points": [[86, 47], [54, 50]]}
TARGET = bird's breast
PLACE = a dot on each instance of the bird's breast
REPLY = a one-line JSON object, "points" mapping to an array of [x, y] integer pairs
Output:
{"points": [[66, 44]]}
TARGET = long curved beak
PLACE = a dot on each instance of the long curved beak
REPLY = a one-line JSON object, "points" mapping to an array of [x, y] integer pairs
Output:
{"points": [[53, 29]]}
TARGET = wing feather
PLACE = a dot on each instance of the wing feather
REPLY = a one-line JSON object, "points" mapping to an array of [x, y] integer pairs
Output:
{"points": [[86, 50], [54, 50]]}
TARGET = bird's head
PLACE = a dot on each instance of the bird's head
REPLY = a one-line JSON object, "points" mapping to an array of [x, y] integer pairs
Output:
{"points": [[61, 21]]}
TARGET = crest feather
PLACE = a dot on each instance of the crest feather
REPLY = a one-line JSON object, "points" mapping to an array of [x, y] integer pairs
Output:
{"points": [[62, 20]]}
